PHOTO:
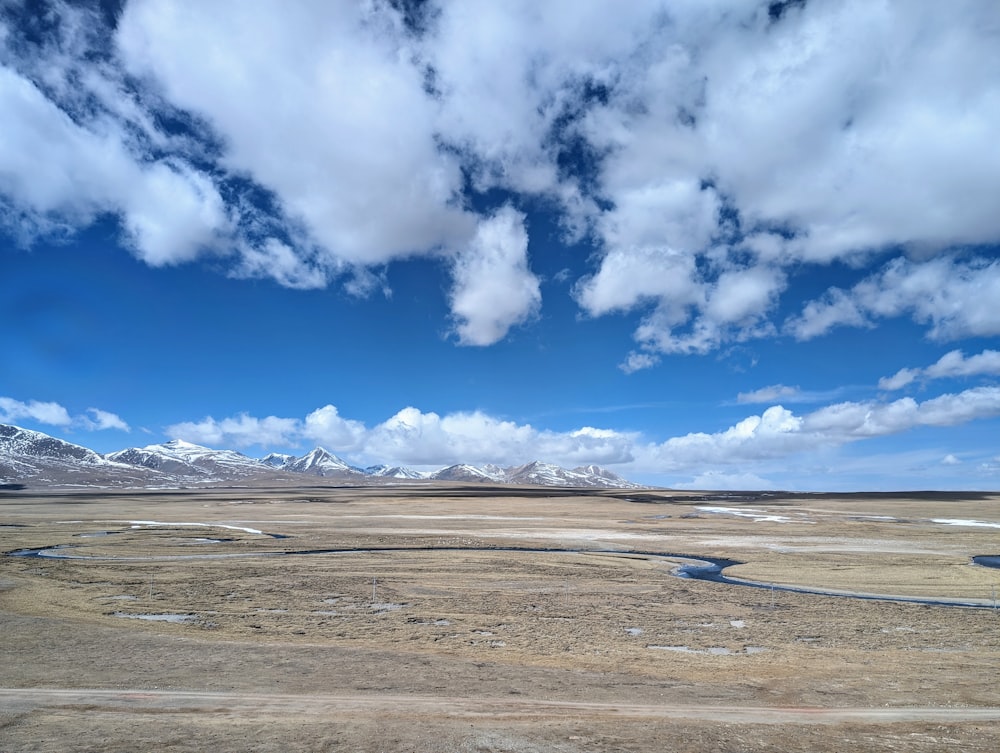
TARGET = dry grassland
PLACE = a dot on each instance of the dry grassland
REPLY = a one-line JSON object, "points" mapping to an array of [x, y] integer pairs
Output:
{"points": [[443, 632]]}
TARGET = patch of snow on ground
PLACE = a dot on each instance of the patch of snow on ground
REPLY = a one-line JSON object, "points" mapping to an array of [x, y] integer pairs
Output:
{"points": [[157, 617], [153, 523], [969, 523], [449, 517], [758, 516]]}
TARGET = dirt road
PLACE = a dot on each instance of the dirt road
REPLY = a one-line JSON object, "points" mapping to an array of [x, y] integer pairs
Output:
{"points": [[140, 701]]}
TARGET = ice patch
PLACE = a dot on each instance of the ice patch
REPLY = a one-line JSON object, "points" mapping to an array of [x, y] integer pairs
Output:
{"points": [[633, 631]]}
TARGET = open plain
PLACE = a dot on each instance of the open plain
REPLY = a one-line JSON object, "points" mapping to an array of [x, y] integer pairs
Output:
{"points": [[481, 619]]}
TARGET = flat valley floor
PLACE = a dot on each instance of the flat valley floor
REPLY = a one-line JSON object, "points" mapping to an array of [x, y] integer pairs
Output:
{"points": [[482, 619]]}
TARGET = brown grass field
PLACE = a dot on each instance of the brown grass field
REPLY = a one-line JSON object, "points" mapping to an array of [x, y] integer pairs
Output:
{"points": [[445, 633]]}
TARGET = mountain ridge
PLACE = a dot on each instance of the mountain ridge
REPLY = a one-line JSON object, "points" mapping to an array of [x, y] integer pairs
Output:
{"points": [[28, 456]]}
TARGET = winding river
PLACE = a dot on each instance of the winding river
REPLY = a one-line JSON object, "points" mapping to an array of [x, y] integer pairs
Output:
{"points": [[711, 569]]}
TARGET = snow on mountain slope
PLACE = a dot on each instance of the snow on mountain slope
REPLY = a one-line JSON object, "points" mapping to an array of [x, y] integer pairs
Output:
{"points": [[396, 471], [16, 442], [45, 460], [463, 472], [277, 459], [319, 462], [189, 461]]}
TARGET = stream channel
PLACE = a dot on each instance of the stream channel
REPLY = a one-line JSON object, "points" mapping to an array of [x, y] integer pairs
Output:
{"points": [[710, 569]]}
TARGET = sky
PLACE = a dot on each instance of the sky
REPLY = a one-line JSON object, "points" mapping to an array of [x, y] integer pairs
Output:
{"points": [[706, 244]]}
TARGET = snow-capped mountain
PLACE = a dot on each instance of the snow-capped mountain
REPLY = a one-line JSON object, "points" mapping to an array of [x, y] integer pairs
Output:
{"points": [[537, 473], [31, 456], [16, 442], [41, 460], [319, 462], [277, 459], [181, 458], [396, 471], [545, 474], [463, 472]]}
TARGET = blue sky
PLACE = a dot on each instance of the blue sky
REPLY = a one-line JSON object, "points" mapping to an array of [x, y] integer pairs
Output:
{"points": [[705, 245]]}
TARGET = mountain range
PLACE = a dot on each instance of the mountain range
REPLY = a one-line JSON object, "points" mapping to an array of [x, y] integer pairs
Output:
{"points": [[33, 459]]}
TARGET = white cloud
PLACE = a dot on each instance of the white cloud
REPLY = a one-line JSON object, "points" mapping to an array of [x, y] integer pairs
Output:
{"points": [[239, 431], [720, 480], [707, 150], [955, 364], [950, 459], [743, 295], [494, 289], [951, 364], [691, 314], [898, 380], [34, 410], [326, 426], [779, 433], [278, 260], [638, 361], [54, 414], [102, 419], [771, 394], [414, 437], [170, 211], [329, 111], [628, 277], [953, 296]]}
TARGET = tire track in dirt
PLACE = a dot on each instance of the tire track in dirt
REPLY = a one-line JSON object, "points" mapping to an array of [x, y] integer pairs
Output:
{"points": [[151, 701]]}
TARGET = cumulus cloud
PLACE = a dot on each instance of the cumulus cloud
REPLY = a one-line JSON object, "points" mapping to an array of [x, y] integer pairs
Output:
{"points": [[240, 431], [418, 438], [955, 364], [326, 426], [328, 110], [778, 432], [951, 295], [170, 211], [34, 410], [494, 289], [98, 419], [706, 151], [952, 364], [54, 414], [414, 437]]}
